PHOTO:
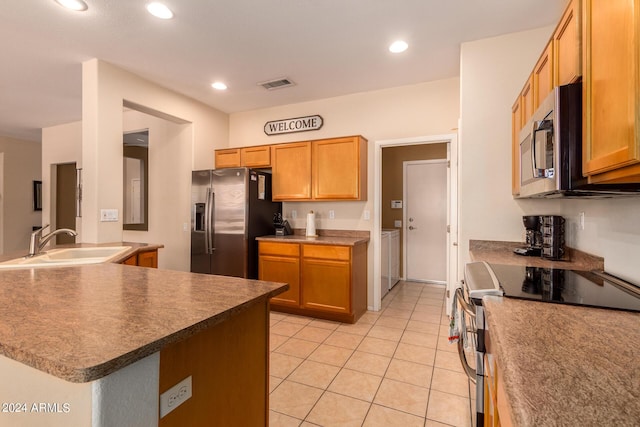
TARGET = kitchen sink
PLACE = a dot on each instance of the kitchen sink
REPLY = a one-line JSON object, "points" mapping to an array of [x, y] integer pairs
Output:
{"points": [[67, 256]]}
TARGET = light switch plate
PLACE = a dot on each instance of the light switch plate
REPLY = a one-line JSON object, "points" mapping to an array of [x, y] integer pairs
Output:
{"points": [[108, 215], [397, 223], [175, 396], [367, 215], [396, 204]]}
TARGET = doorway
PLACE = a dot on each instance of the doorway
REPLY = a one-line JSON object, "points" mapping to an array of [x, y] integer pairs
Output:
{"points": [[425, 220], [65, 201]]}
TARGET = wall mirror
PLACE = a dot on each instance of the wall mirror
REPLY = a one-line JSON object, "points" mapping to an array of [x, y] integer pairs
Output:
{"points": [[136, 180]]}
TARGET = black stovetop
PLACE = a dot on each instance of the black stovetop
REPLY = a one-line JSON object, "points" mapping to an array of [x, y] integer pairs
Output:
{"points": [[565, 287]]}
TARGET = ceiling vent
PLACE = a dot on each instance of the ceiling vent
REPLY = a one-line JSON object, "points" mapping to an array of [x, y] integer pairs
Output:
{"points": [[277, 84]]}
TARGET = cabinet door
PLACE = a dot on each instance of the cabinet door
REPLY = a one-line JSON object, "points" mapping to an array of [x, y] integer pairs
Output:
{"points": [[527, 100], [291, 172], [132, 260], [566, 46], [227, 158], [256, 157], [274, 268], [543, 76], [339, 169], [516, 126], [326, 285], [148, 259], [611, 91]]}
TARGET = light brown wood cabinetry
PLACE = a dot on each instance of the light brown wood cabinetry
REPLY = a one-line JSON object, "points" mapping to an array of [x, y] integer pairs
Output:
{"points": [[543, 76], [516, 126], [496, 406], [256, 157], [527, 100], [326, 281], [143, 259], [339, 168], [229, 158], [611, 91], [567, 55], [291, 171]]}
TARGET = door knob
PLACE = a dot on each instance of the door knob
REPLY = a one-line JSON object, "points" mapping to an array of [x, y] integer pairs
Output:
{"points": [[411, 227], [410, 219]]}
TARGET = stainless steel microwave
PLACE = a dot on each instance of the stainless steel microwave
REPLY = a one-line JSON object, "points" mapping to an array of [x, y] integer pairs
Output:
{"points": [[551, 151]]}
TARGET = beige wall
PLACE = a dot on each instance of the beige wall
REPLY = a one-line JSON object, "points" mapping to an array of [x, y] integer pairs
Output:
{"points": [[392, 179], [409, 111], [492, 74], [21, 167], [104, 89]]}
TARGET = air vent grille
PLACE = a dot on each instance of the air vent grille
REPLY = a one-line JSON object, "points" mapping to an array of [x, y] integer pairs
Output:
{"points": [[277, 84]]}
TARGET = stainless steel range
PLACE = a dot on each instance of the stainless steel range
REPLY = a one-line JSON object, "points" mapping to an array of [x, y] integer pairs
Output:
{"points": [[557, 286]]}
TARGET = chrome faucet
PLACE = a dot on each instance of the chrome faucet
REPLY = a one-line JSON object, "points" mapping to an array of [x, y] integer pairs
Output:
{"points": [[37, 241]]}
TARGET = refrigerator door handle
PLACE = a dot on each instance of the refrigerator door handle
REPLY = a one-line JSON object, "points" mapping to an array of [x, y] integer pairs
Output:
{"points": [[212, 221], [207, 215]]}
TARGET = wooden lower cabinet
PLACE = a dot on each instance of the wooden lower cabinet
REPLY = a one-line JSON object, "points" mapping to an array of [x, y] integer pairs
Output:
{"points": [[496, 406], [325, 281], [143, 259]]}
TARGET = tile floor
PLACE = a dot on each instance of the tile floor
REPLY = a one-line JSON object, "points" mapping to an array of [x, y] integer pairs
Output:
{"points": [[394, 367]]}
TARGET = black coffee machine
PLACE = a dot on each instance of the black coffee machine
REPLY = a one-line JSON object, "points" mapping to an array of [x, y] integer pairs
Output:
{"points": [[533, 236], [281, 225]]}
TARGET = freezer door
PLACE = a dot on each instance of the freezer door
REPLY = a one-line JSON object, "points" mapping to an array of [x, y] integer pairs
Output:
{"points": [[200, 187]]}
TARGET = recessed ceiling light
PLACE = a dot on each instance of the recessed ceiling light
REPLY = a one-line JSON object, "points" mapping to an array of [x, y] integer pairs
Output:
{"points": [[398, 46], [77, 5], [159, 10], [219, 86]]}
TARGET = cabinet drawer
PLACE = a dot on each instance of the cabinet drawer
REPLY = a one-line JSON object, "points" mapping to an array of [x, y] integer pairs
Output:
{"points": [[342, 253], [275, 248]]}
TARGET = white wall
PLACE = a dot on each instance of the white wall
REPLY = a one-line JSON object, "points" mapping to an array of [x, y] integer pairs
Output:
{"points": [[409, 111], [104, 89], [21, 168], [492, 73]]}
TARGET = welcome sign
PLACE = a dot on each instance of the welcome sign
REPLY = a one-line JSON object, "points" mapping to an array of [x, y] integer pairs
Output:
{"points": [[298, 124]]}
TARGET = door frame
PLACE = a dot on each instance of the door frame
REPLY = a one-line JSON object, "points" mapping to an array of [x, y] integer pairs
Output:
{"points": [[452, 208], [404, 210]]}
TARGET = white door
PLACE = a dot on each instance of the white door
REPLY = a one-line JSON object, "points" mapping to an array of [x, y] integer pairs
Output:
{"points": [[425, 220]]}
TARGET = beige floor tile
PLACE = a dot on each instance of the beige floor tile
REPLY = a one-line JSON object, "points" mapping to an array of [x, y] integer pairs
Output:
{"points": [[369, 317], [273, 321], [450, 382], [297, 347], [419, 326], [324, 324], [356, 329], [286, 328], [301, 320], [281, 365], [312, 333], [449, 409], [425, 317], [401, 313], [410, 372], [276, 341], [444, 345], [332, 355], [356, 384], [339, 411], [448, 360], [432, 302], [343, 339], [419, 338], [274, 382], [368, 363], [415, 353], [403, 397], [399, 305], [379, 416], [315, 374], [276, 315], [431, 423], [385, 333], [277, 419], [392, 322], [293, 399], [378, 346], [428, 309]]}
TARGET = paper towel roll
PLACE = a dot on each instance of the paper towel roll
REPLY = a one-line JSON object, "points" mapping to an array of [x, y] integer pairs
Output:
{"points": [[311, 224]]}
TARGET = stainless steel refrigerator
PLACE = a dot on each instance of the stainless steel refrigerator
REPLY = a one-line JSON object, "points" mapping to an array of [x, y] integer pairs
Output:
{"points": [[229, 209]]}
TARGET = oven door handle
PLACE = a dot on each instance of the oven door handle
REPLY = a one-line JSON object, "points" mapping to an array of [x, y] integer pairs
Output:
{"points": [[459, 299]]}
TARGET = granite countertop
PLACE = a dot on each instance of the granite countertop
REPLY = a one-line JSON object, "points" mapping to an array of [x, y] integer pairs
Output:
{"points": [[325, 237], [81, 323], [498, 252], [566, 365]]}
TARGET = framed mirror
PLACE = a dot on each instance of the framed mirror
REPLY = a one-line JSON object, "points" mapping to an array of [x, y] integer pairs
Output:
{"points": [[136, 180]]}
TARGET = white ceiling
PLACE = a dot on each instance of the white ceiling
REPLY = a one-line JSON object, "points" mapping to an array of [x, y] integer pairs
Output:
{"points": [[327, 47]]}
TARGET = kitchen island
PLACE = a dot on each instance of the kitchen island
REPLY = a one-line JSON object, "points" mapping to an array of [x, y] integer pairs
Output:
{"points": [[97, 345]]}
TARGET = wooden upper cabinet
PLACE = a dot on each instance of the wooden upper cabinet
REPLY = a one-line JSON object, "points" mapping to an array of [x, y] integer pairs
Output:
{"points": [[611, 92], [543, 76], [229, 158], [291, 171], [567, 58], [516, 126], [340, 169], [256, 157], [527, 100]]}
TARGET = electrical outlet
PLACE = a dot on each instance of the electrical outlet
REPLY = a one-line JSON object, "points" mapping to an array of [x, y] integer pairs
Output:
{"points": [[175, 396], [185, 226], [581, 220], [367, 215], [294, 214], [108, 215], [332, 214]]}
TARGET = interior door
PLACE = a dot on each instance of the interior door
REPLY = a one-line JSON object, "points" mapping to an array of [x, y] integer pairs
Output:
{"points": [[425, 223]]}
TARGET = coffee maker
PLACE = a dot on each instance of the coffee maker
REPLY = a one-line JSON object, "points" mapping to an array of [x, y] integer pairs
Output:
{"points": [[533, 237]]}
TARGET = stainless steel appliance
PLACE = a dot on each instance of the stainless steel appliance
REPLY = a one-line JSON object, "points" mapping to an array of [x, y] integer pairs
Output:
{"points": [[533, 236], [544, 236], [551, 151], [229, 209], [558, 286]]}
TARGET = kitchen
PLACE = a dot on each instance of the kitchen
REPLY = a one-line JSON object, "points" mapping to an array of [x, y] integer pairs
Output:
{"points": [[491, 74]]}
